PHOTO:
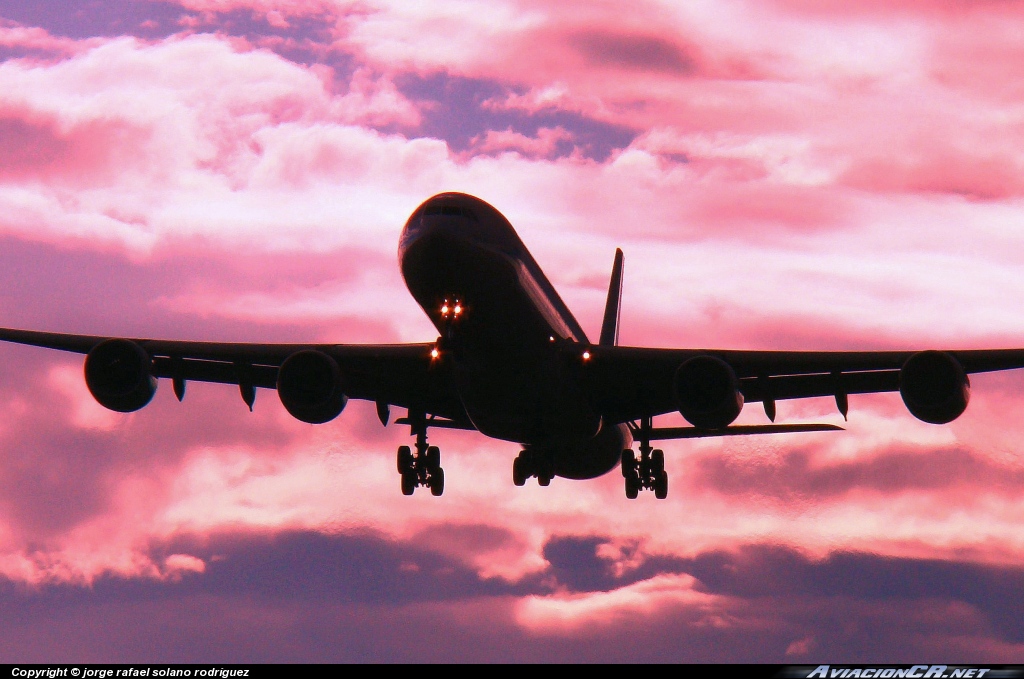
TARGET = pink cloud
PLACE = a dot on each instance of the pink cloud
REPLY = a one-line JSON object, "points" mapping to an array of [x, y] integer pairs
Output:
{"points": [[39, 41], [541, 146]]}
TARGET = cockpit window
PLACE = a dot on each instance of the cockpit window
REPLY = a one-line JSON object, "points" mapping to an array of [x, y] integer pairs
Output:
{"points": [[449, 211]]}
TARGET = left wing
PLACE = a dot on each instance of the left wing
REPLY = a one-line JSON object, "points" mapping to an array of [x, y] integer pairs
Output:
{"points": [[631, 383], [388, 374]]}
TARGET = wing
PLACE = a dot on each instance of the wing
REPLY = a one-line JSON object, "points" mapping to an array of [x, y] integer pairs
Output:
{"points": [[390, 374], [630, 383]]}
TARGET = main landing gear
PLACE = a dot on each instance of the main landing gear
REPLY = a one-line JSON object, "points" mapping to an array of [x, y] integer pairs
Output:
{"points": [[422, 468], [649, 471], [532, 463]]}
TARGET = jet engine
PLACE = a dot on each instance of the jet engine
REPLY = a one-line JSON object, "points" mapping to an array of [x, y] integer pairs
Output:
{"points": [[707, 392], [119, 376], [310, 386], [934, 387]]}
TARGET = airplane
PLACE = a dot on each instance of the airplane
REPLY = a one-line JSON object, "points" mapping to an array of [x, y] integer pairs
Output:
{"points": [[512, 363]]}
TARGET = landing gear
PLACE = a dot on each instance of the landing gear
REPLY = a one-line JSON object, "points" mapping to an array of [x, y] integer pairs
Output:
{"points": [[437, 482], [422, 468], [404, 459], [649, 471], [519, 471], [532, 463]]}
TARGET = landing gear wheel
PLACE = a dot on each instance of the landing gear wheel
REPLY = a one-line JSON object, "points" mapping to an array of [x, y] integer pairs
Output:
{"points": [[519, 472], [544, 479], [628, 463], [408, 482], [437, 482], [433, 457], [404, 459], [632, 486], [661, 485], [657, 462]]}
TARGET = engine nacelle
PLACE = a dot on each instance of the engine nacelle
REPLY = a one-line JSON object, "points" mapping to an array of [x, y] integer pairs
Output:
{"points": [[310, 386], [707, 392], [934, 387], [119, 375]]}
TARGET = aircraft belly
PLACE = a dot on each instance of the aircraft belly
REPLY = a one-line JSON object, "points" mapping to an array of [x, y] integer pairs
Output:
{"points": [[528, 400]]}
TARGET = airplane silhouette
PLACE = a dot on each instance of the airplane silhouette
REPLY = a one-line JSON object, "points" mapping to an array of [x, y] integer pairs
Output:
{"points": [[512, 363]]}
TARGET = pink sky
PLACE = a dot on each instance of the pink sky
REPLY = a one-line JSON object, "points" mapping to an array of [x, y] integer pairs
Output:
{"points": [[781, 175]]}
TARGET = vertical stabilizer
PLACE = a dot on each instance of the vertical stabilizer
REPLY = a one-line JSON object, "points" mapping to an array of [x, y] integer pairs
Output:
{"points": [[610, 325]]}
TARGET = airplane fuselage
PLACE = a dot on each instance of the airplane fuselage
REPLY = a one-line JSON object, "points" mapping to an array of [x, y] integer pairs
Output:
{"points": [[507, 347]]}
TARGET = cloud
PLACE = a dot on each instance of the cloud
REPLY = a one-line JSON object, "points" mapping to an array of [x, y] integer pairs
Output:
{"points": [[543, 145]]}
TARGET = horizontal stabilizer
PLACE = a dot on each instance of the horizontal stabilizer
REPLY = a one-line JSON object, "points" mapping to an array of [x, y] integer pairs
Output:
{"points": [[667, 433]]}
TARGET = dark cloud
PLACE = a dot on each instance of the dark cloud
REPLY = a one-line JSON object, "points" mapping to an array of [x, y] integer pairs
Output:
{"points": [[304, 596], [296, 596], [310, 597], [797, 474], [634, 52], [152, 19], [574, 562], [457, 110], [754, 572], [92, 18], [312, 567], [303, 39]]}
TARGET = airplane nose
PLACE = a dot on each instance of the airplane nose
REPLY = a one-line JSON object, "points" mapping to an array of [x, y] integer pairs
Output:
{"points": [[448, 205], [446, 214]]}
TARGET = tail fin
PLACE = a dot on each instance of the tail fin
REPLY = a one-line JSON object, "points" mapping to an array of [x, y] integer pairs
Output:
{"points": [[610, 325]]}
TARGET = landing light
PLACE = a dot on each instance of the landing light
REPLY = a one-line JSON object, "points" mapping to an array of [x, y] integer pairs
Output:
{"points": [[586, 355], [434, 353], [449, 309]]}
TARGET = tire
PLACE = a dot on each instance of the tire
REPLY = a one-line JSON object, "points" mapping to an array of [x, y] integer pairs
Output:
{"points": [[544, 480], [632, 487], [408, 483], [661, 486], [404, 459], [437, 482], [433, 458], [519, 471], [628, 463], [657, 461]]}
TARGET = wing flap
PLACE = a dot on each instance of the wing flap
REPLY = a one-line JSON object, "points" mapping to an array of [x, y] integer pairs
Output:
{"points": [[785, 387], [215, 371]]}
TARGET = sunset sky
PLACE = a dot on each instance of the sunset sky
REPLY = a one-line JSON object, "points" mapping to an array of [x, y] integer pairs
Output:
{"points": [[781, 174]]}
